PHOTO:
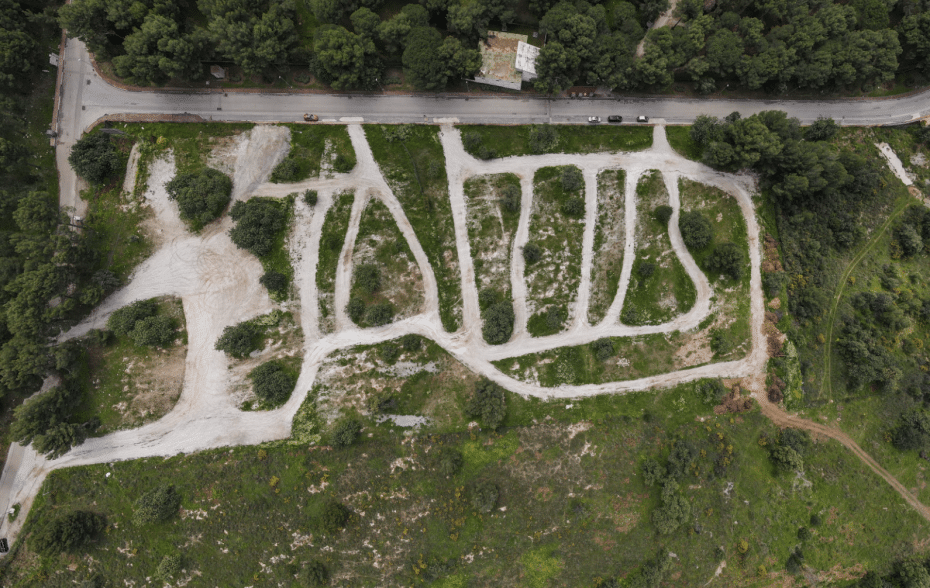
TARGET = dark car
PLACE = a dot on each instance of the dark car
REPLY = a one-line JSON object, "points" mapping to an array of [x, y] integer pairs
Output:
{"points": [[642, 118], [614, 118]]}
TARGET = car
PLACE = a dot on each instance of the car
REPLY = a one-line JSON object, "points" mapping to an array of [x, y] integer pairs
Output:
{"points": [[642, 118], [594, 119], [311, 117], [614, 118]]}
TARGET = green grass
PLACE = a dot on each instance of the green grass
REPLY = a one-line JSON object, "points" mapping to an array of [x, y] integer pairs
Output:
{"points": [[127, 385], [491, 230], [559, 236], [308, 143], [609, 243], [515, 140], [680, 140], [413, 163], [116, 234], [332, 239], [669, 291], [191, 142], [279, 259]]}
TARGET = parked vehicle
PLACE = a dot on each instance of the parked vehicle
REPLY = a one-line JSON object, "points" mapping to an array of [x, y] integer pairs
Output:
{"points": [[311, 118], [642, 119], [594, 119], [614, 118]]}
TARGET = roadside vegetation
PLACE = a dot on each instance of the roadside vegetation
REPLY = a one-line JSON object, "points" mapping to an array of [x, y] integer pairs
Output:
{"points": [[314, 148], [488, 142], [262, 227], [609, 242], [493, 209], [413, 163], [553, 254], [332, 240], [386, 282], [659, 288]]}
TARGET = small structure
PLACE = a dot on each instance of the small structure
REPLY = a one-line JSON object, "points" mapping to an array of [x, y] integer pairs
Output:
{"points": [[507, 60], [217, 72]]}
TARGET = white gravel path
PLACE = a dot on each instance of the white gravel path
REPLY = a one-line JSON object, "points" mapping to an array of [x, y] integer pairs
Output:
{"points": [[219, 286], [894, 162]]}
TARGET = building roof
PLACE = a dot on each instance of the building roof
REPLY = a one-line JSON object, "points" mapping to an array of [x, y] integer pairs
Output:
{"points": [[499, 55], [526, 57]]}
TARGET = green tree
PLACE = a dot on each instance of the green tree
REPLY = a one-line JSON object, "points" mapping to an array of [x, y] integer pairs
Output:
{"points": [[345, 432], [379, 314], [345, 60], [532, 253], [36, 213], [498, 322], [159, 51], [823, 129], [728, 259], [157, 505], [87, 20], [556, 68], [487, 403], [66, 532], [314, 574], [258, 221], [394, 32], [787, 459], [365, 22], [274, 282], [94, 158], [123, 321], [674, 511], [272, 383], [201, 196], [696, 230], [484, 495], [18, 53], [153, 331], [449, 461], [59, 439], [333, 517], [169, 567], [254, 40], [915, 29]]}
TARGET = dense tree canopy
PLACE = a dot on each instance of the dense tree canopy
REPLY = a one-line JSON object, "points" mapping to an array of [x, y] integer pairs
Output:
{"points": [[345, 60], [201, 196], [431, 61]]}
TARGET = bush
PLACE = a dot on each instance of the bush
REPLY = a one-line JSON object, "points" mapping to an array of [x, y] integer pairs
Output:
{"points": [[314, 574], [696, 230], [66, 532], [911, 243], [674, 511], [471, 141], [390, 353], [273, 281], [797, 439], [603, 349], [823, 129], [310, 197], [238, 340], [711, 391], [153, 331], [368, 278], [94, 158], [815, 520], [555, 316], [487, 403], [156, 505], [795, 562], [786, 459], [663, 213], [912, 431], [286, 171], [342, 164], [531, 253], [345, 432], [201, 196], [381, 402], [571, 178], [510, 198], [645, 269], [258, 221], [334, 517], [772, 282], [727, 259], [653, 472], [379, 314], [356, 310], [411, 342], [272, 383], [498, 323], [486, 152], [484, 496], [449, 461], [543, 138], [124, 320], [804, 533], [169, 567], [573, 207]]}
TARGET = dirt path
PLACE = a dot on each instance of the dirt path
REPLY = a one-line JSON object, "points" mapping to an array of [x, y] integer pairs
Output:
{"points": [[660, 22]]}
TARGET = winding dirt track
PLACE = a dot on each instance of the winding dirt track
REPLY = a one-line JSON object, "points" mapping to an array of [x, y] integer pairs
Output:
{"points": [[219, 286]]}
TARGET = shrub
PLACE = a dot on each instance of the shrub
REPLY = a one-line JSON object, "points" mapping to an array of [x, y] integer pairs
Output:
{"points": [[310, 197], [674, 510], [346, 432], [257, 223], [238, 340], [379, 314], [342, 164], [795, 562], [94, 158], [368, 278], [796, 439], [411, 342], [571, 178], [58, 439], [645, 269], [273, 281], [815, 520], [573, 207], [696, 230], [912, 431], [510, 198], [169, 567], [531, 253], [286, 171], [201, 196], [653, 472], [381, 402], [823, 129], [498, 323], [555, 316], [487, 403], [356, 310], [471, 141], [663, 213], [543, 138], [272, 383], [156, 505], [911, 243], [804, 533], [66, 532], [124, 320], [314, 574], [603, 349], [727, 259], [485, 152], [334, 517], [773, 282], [653, 572], [786, 459], [390, 352], [449, 461], [711, 391], [153, 331], [484, 496]]}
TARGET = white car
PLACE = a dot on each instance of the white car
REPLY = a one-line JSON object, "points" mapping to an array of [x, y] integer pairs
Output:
{"points": [[594, 119], [642, 119]]}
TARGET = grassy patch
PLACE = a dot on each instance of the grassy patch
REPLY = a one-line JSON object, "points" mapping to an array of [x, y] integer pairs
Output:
{"points": [[129, 385], [667, 291], [279, 259], [191, 142], [552, 282], [680, 139], [515, 140], [332, 239], [413, 163], [308, 145], [609, 243], [491, 229]]}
